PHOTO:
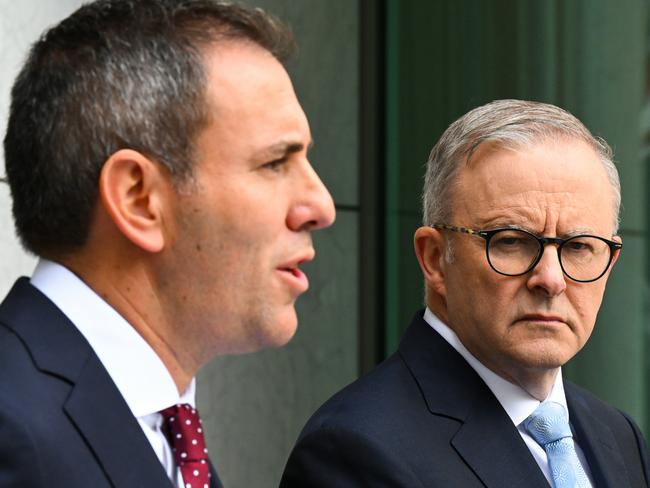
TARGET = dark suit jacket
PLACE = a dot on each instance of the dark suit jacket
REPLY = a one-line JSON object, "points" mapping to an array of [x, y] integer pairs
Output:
{"points": [[63, 421], [424, 418]]}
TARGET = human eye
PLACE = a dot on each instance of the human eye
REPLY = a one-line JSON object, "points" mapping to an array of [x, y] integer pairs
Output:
{"points": [[582, 245], [509, 238], [512, 241], [276, 165]]}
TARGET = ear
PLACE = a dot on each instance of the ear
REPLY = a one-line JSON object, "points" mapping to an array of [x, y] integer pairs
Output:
{"points": [[133, 190], [617, 252], [430, 247]]}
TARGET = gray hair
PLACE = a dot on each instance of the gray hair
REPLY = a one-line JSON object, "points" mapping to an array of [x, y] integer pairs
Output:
{"points": [[510, 124]]}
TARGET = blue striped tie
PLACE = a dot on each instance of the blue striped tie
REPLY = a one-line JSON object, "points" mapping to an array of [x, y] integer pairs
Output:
{"points": [[549, 426]]}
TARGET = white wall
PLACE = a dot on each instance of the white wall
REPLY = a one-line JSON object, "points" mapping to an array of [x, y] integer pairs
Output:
{"points": [[21, 23]]}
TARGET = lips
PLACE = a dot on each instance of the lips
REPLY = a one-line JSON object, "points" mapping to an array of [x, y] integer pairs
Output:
{"points": [[293, 275], [542, 318]]}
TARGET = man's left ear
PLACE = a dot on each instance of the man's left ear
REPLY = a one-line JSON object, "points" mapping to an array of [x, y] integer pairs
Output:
{"points": [[133, 190]]}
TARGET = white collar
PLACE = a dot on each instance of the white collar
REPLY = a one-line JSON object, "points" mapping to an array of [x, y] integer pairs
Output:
{"points": [[135, 368], [517, 403]]}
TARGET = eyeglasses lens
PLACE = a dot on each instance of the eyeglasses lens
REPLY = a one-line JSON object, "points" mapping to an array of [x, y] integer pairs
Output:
{"points": [[513, 252]]}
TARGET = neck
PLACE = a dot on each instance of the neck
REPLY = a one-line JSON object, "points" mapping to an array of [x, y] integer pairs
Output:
{"points": [[132, 294], [538, 384], [537, 381]]}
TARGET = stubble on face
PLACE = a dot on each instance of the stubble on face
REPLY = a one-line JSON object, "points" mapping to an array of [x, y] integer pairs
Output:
{"points": [[234, 233]]}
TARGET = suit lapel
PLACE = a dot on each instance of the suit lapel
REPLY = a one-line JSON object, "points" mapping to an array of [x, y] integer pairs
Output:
{"points": [[486, 439], [598, 444], [95, 406], [103, 418], [491, 445]]}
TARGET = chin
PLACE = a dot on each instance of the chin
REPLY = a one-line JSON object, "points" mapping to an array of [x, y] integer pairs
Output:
{"points": [[278, 330], [280, 340], [284, 333], [547, 356]]}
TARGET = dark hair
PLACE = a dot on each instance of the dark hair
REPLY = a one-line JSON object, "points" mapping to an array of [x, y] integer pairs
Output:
{"points": [[115, 74]]}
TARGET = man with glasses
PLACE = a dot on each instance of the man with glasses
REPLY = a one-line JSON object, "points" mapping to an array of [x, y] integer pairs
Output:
{"points": [[521, 207]]}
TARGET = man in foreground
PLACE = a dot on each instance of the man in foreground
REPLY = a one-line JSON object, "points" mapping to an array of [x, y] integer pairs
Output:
{"points": [[521, 209], [157, 159]]}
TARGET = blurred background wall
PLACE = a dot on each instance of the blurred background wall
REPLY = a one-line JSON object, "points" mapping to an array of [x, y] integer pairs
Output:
{"points": [[443, 58], [380, 80]]}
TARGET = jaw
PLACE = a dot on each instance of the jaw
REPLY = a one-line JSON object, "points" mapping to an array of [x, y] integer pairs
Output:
{"points": [[530, 364]]}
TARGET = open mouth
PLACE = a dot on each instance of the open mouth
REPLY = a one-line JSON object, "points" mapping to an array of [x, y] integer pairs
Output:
{"points": [[294, 271], [295, 277]]}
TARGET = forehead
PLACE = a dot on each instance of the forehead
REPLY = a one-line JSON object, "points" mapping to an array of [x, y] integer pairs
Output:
{"points": [[241, 66], [557, 185], [249, 92]]}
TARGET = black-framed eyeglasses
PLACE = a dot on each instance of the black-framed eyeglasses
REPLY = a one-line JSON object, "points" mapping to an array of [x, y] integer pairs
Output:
{"points": [[514, 252]]}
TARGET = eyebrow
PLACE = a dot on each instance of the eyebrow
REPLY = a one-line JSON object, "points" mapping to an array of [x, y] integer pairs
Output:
{"points": [[285, 148], [572, 233], [523, 225]]}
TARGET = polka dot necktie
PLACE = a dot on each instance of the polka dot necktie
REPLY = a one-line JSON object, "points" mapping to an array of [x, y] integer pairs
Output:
{"points": [[183, 428], [549, 426]]}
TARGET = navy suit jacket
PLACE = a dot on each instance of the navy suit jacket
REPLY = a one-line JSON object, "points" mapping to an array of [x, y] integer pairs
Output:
{"points": [[63, 421], [424, 418]]}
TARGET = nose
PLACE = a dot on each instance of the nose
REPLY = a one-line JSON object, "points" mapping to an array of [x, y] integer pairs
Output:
{"points": [[314, 208], [548, 276]]}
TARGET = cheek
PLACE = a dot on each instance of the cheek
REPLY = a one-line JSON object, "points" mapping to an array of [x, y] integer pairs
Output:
{"points": [[496, 295], [585, 303], [483, 298]]}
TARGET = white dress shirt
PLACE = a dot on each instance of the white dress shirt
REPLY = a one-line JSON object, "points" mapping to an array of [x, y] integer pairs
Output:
{"points": [[135, 368], [517, 403]]}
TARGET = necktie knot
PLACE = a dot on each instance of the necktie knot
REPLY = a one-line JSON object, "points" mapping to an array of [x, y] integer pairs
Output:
{"points": [[548, 423], [184, 430]]}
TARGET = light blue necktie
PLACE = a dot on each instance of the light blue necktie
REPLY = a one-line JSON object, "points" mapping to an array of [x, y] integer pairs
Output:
{"points": [[549, 426]]}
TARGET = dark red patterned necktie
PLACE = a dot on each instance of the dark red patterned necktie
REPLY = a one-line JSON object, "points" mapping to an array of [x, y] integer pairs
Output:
{"points": [[183, 428]]}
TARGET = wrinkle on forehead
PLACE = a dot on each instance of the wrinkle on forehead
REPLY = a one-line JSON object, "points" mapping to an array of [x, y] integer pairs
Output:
{"points": [[539, 216], [556, 188]]}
